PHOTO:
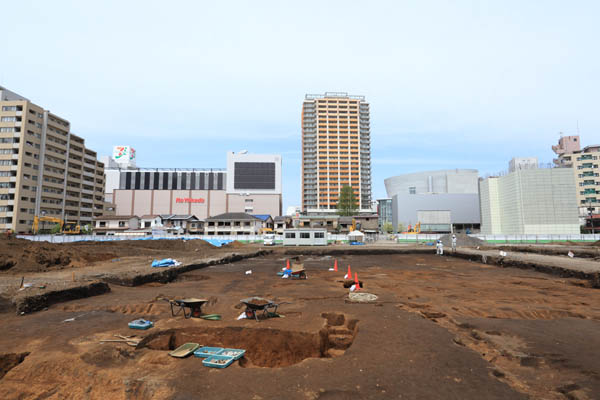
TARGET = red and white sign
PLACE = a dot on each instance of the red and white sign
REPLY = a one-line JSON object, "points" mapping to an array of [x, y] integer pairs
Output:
{"points": [[188, 200]]}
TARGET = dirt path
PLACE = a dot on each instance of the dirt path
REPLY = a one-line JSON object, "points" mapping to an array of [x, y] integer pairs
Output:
{"points": [[584, 265]]}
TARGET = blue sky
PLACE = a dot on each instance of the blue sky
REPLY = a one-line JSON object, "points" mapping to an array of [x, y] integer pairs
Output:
{"points": [[452, 84]]}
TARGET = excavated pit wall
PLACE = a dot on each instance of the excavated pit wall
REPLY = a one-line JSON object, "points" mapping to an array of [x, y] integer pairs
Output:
{"points": [[37, 302], [358, 251], [25, 304], [169, 274]]}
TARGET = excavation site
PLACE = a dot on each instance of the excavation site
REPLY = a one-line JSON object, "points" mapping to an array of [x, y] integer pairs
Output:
{"points": [[338, 322]]}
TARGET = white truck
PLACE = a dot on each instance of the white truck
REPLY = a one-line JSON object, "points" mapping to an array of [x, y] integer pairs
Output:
{"points": [[269, 239]]}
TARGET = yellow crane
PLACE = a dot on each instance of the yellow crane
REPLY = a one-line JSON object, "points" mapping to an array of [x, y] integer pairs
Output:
{"points": [[415, 230], [69, 228]]}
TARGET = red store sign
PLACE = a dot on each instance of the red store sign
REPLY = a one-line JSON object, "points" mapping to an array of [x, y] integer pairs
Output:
{"points": [[188, 200]]}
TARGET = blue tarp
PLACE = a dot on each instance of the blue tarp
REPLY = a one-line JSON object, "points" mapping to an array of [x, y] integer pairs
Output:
{"points": [[218, 242], [167, 262]]}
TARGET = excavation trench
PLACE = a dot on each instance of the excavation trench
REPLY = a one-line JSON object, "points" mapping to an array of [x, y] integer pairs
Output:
{"points": [[265, 347], [10, 360]]}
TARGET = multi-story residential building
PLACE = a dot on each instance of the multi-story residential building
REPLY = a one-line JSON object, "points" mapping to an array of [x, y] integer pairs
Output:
{"points": [[529, 201], [587, 180], [567, 145], [336, 151], [45, 170]]}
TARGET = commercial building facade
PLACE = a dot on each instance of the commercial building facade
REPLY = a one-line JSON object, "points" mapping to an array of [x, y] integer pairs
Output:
{"points": [[384, 211], [336, 151], [250, 184], [45, 170], [441, 201], [529, 201]]}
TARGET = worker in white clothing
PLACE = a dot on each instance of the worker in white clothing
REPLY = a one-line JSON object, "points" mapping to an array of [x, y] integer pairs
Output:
{"points": [[439, 248], [453, 243]]}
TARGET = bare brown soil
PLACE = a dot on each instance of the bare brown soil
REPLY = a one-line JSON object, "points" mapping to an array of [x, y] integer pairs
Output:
{"points": [[441, 328], [21, 255]]}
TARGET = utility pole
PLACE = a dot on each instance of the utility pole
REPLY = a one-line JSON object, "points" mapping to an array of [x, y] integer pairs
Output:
{"points": [[591, 214]]}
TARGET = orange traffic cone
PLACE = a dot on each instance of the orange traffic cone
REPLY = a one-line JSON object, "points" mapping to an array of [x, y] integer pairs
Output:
{"points": [[287, 264], [335, 265], [349, 274], [356, 282]]}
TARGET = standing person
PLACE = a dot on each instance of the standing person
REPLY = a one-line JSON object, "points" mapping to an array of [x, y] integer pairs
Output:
{"points": [[453, 243], [439, 248]]}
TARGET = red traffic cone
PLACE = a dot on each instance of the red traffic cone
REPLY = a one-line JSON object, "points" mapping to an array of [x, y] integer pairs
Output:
{"points": [[335, 265], [349, 274], [356, 282]]}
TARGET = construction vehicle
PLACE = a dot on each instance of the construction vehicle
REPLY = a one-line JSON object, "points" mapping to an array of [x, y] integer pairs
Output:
{"points": [[413, 231], [355, 225], [69, 228]]}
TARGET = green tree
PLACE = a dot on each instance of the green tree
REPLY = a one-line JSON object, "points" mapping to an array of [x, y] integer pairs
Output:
{"points": [[388, 227], [55, 229], [347, 204], [400, 228]]}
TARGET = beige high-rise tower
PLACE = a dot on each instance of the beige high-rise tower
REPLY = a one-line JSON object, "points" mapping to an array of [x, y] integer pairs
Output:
{"points": [[336, 150], [44, 169]]}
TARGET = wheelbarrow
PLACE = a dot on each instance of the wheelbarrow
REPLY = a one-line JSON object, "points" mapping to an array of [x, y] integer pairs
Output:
{"points": [[298, 271], [254, 305], [191, 307]]}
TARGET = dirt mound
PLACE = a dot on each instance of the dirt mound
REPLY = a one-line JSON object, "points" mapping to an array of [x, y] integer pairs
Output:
{"points": [[162, 244], [235, 245], [20, 255], [462, 240]]}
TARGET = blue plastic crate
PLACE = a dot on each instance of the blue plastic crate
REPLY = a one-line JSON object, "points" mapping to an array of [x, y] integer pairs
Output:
{"points": [[141, 324], [210, 361], [239, 353], [204, 352]]}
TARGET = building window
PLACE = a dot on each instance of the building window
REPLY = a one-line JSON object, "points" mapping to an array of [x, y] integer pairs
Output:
{"points": [[121, 224], [102, 224], [412, 190]]}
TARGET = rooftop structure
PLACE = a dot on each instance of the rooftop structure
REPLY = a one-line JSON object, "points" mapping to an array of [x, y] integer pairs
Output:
{"points": [[566, 146]]}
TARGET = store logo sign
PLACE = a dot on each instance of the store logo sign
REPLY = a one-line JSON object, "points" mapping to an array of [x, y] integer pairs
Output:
{"points": [[188, 200]]}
